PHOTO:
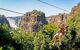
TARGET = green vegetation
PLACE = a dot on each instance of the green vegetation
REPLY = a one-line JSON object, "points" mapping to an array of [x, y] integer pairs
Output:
{"points": [[15, 39], [43, 39]]}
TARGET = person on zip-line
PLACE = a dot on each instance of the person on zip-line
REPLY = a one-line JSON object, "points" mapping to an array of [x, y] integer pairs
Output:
{"points": [[62, 29]]}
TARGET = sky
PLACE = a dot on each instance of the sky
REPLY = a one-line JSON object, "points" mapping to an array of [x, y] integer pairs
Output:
{"points": [[24, 6]]}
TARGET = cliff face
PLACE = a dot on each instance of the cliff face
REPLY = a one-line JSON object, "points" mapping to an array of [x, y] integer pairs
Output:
{"points": [[57, 18], [31, 21]]}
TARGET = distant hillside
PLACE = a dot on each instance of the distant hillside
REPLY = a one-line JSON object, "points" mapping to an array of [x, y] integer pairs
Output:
{"points": [[3, 20]]}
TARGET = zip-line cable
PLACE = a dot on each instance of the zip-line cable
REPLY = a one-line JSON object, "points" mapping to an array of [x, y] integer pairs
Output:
{"points": [[11, 11], [36, 0], [52, 5]]}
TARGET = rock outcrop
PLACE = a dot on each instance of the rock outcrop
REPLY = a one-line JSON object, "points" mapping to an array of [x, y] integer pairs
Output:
{"points": [[75, 9], [31, 21], [57, 18]]}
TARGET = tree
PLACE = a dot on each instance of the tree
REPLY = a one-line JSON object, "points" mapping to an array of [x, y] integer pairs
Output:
{"points": [[43, 39], [24, 40], [5, 37]]}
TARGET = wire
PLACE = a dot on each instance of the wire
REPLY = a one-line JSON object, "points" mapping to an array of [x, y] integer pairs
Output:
{"points": [[52, 5], [39, 1], [11, 11]]}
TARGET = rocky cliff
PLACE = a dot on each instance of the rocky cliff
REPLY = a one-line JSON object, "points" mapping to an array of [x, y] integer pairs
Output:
{"points": [[31, 21], [57, 18], [75, 9]]}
